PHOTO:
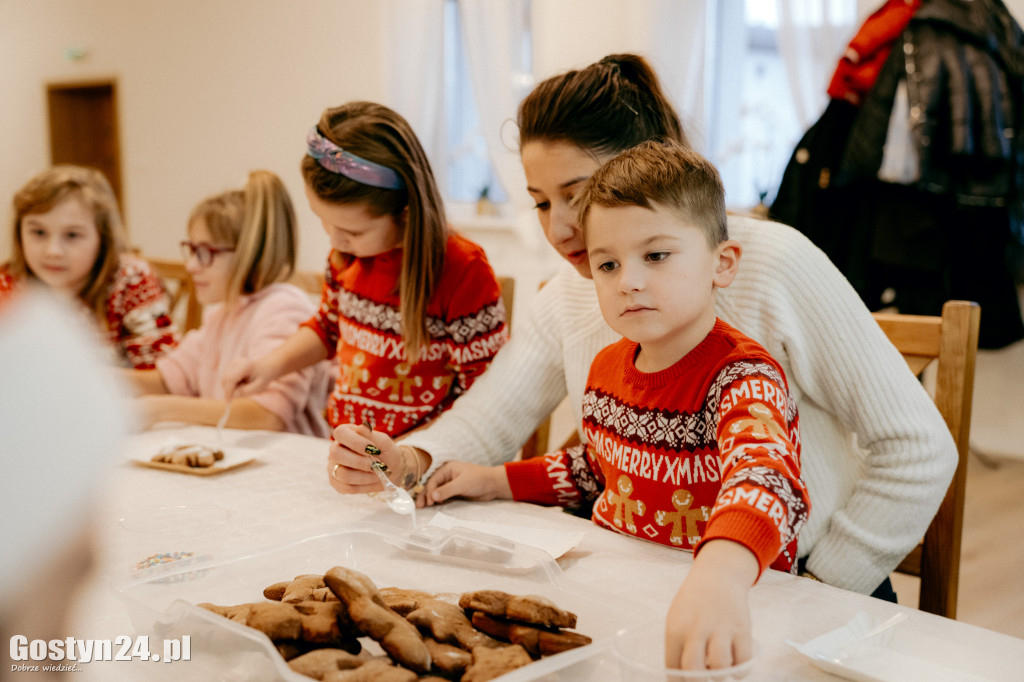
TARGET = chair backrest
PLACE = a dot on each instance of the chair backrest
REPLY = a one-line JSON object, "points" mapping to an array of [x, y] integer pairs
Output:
{"points": [[508, 296], [950, 341], [185, 309]]}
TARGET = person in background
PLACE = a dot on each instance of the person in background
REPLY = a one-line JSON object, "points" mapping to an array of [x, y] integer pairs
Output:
{"points": [[68, 236], [411, 311], [877, 457], [64, 417], [240, 250], [692, 435]]}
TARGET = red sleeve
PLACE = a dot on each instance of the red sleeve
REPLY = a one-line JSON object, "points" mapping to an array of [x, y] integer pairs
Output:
{"points": [[566, 478], [763, 502]]}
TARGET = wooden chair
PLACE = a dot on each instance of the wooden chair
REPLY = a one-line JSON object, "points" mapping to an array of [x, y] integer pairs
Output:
{"points": [[950, 341], [185, 309], [310, 281], [508, 296]]}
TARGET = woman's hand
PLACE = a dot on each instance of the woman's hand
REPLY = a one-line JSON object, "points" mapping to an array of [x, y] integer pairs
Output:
{"points": [[465, 480], [708, 623], [348, 467]]}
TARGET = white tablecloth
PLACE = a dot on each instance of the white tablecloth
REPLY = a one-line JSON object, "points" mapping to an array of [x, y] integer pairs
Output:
{"points": [[284, 497]]}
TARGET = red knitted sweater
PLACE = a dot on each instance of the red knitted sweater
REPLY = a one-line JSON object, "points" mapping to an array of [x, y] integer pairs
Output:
{"points": [[359, 322], [708, 448], [137, 312]]}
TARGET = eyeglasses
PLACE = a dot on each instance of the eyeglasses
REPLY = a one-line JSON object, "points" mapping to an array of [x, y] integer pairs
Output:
{"points": [[203, 252]]}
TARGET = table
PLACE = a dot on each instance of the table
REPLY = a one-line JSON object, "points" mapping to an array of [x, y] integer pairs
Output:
{"points": [[284, 496]]}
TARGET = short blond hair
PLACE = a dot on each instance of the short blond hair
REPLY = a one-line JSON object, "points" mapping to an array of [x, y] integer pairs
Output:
{"points": [[662, 173]]}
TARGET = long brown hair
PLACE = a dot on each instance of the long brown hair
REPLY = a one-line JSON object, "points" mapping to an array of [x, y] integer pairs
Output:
{"points": [[378, 134], [259, 221], [42, 193], [604, 108]]}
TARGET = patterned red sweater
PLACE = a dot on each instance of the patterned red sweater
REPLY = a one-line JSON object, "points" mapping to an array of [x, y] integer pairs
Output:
{"points": [[359, 322], [708, 448], [137, 314]]}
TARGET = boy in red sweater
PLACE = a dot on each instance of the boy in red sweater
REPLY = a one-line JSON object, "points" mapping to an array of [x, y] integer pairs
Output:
{"points": [[692, 438]]}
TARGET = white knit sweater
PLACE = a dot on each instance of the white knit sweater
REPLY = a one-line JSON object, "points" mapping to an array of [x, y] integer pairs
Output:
{"points": [[876, 454]]}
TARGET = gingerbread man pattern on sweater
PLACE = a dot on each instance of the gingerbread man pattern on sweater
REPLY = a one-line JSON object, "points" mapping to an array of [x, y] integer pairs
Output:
{"points": [[708, 448], [359, 321]]}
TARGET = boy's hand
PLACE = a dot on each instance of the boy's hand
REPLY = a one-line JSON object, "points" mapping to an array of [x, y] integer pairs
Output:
{"points": [[708, 623], [469, 481]]}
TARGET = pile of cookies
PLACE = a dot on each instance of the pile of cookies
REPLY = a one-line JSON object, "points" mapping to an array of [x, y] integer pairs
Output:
{"points": [[191, 455], [316, 622]]}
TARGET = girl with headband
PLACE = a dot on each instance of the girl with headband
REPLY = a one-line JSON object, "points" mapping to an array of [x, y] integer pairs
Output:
{"points": [[411, 311], [68, 237], [239, 253]]}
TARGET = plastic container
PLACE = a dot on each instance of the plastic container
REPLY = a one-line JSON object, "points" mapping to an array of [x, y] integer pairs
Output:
{"points": [[162, 600]]}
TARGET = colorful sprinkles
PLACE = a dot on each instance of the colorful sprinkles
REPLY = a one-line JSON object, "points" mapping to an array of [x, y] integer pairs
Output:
{"points": [[159, 559]]}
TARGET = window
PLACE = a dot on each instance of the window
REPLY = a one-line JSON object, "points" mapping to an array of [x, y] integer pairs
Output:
{"points": [[471, 172], [785, 53]]}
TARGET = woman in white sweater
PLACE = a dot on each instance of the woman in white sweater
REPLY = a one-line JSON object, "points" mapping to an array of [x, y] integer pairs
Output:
{"points": [[877, 457]]}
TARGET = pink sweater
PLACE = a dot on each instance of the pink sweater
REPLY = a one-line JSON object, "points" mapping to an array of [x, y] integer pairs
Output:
{"points": [[260, 324]]}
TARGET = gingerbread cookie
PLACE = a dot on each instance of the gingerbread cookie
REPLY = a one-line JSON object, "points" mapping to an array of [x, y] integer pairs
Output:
{"points": [[319, 662], [402, 601], [536, 640], [239, 614], [323, 623], [491, 663], [376, 670], [447, 660], [397, 636], [189, 455], [529, 609], [448, 623]]}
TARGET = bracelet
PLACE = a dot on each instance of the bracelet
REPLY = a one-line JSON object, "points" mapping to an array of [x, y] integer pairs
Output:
{"points": [[410, 480]]}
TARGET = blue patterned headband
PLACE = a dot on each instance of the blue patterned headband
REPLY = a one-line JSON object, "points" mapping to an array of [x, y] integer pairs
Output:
{"points": [[337, 160]]}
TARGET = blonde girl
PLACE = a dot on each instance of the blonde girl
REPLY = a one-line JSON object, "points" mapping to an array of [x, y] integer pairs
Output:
{"points": [[239, 253], [68, 236], [411, 311]]}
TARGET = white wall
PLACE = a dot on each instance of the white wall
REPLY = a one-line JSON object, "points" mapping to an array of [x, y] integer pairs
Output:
{"points": [[206, 91]]}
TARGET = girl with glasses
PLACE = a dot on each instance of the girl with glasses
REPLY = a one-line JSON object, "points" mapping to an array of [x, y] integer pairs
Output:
{"points": [[68, 237], [239, 253]]}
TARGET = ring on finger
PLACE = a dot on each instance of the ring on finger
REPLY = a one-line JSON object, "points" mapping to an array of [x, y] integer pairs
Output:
{"points": [[334, 471]]}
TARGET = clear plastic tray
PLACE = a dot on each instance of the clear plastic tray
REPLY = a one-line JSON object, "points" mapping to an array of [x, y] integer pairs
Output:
{"points": [[161, 601]]}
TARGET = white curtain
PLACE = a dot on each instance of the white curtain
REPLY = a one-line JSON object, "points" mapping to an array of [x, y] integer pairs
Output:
{"points": [[494, 31], [413, 55], [811, 37], [675, 34]]}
